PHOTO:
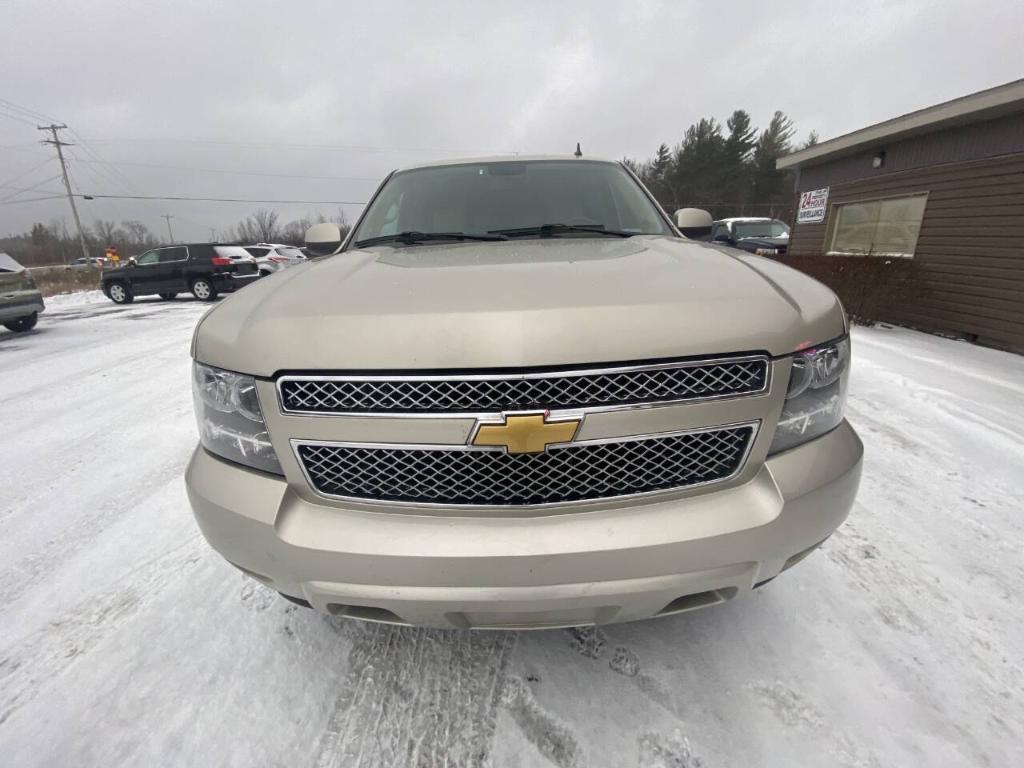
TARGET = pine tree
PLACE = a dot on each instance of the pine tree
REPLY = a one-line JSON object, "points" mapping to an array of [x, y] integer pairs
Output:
{"points": [[695, 177], [732, 174], [769, 185], [656, 174], [39, 234], [738, 146]]}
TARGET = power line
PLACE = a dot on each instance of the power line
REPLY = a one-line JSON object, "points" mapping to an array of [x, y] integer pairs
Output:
{"points": [[33, 200], [97, 178], [16, 117], [223, 199], [33, 187], [23, 190], [118, 177], [105, 165], [23, 174], [296, 145], [31, 113], [237, 173]]}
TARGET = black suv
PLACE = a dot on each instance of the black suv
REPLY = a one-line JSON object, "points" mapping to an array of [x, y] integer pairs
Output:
{"points": [[205, 269], [762, 236]]}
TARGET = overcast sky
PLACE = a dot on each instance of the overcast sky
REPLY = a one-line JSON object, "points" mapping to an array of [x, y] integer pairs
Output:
{"points": [[269, 95]]}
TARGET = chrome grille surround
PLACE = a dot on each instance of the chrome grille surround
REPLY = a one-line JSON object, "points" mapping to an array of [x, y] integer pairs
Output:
{"points": [[479, 393], [465, 475]]}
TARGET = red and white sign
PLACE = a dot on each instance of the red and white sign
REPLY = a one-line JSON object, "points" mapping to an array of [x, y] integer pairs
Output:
{"points": [[812, 206]]}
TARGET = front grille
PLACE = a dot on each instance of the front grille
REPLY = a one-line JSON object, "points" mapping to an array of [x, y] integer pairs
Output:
{"points": [[484, 393], [571, 472]]}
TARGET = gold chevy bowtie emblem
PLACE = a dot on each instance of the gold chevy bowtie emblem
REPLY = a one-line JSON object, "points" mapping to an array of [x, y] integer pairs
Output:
{"points": [[526, 433]]}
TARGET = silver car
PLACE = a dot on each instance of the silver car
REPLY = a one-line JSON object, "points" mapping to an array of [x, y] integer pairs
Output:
{"points": [[273, 257], [20, 299], [516, 396]]}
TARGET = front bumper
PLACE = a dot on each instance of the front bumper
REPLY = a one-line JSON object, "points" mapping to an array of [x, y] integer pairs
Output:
{"points": [[639, 560]]}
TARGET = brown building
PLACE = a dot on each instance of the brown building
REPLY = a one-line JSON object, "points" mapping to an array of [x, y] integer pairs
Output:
{"points": [[943, 186]]}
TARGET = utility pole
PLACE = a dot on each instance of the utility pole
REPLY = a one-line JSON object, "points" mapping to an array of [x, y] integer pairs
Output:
{"points": [[56, 141], [170, 234]]}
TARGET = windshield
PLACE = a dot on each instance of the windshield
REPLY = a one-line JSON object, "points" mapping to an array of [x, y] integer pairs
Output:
{"points": [[483, 197], [771, 228]]}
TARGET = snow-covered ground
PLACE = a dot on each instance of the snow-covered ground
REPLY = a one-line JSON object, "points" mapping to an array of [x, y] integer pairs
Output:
{"points": [[125, 641]]}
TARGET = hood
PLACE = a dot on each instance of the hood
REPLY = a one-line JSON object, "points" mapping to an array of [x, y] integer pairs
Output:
{"points": [[516, 304], [8, 264]]}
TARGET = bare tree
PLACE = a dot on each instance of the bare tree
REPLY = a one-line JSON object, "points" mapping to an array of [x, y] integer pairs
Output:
{"points": [[260, 227], [137, 234], [294, 232], [106, 231]]}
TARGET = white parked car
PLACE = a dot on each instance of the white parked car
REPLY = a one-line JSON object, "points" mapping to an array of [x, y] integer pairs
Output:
{"points": [[93, 261], [271, 257]]}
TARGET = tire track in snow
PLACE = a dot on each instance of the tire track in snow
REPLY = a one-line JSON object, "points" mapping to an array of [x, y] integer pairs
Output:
{"points": [[416, 697], [97, 352], [553, 738], [673, 751], [591, 643], [627, 663], [39, 658], [21, 574], [795, 711]]}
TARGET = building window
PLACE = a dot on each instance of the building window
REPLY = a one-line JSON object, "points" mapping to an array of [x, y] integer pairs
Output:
{"points": [[886, 227]]}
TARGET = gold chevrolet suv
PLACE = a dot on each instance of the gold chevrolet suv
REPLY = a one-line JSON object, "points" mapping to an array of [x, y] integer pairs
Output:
{"points": [[516, 396]]}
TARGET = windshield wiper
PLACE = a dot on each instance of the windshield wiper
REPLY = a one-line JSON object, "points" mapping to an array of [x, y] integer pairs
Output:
{"points": [[550, 230], [411, 236]]}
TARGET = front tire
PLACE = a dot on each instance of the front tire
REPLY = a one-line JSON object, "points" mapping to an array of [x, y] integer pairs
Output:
{"points": [[120, 293], [23, 324], [203, 289]]}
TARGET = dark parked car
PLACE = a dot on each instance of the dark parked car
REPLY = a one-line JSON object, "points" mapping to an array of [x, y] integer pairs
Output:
{"points": [[20, 299], [204, 269], [763, 236]]}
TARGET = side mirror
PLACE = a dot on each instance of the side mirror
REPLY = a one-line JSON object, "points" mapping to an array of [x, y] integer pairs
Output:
{"points": [[693, 218], [132, 261], [323, 239], [694, 223]]}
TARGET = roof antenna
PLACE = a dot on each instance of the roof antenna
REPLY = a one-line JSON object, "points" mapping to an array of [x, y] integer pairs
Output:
{"points": [[578, 152]]}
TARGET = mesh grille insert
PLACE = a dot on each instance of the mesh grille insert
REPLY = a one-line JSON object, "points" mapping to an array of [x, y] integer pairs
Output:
{"points": [[434, 475], [681, 381]]}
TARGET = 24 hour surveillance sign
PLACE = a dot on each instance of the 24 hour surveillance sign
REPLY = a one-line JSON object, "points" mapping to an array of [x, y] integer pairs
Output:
{"points": [[812, 206]]}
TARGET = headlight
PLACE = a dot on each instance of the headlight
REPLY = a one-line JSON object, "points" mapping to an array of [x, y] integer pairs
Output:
{"points": [[816, 398], [230, 421], [766, 252]]}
